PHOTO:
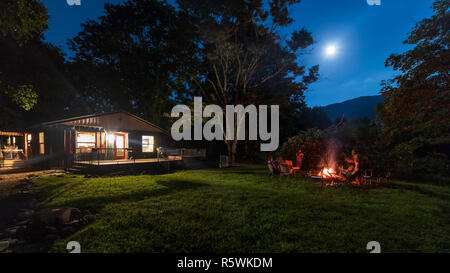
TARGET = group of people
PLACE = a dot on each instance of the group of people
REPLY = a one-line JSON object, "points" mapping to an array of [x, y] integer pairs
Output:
{"points": [[351, 168], [352, 172], [275, 165]]}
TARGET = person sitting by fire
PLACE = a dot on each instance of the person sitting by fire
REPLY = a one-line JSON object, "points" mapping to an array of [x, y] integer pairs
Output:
{"points": [[299, 158], [274, 166], [353, 171]]}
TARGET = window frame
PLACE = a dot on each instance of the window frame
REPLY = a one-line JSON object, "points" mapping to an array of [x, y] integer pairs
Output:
{"points": [[150, 146], [90, 143], [41, 138]]}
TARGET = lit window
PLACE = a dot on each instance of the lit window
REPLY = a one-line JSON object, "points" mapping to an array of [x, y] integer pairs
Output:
{"points": [[147, 144], [41, 143], [85, 140]]}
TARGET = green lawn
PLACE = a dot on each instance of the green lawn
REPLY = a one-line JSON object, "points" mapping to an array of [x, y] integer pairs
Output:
{"points": [[241, 209]]}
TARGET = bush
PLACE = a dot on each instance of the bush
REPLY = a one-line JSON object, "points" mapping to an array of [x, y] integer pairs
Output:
{"points": [[311, 142]]}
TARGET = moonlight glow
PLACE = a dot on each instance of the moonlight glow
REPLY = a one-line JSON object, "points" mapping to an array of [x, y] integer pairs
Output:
{"points": [[330, 50]]}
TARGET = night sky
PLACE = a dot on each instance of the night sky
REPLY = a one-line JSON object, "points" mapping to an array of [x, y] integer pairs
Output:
{"points": [[362, 35]]}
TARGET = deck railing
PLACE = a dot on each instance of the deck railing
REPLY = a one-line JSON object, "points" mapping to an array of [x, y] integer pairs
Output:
{"points": [[93, 155], [98, 155]]}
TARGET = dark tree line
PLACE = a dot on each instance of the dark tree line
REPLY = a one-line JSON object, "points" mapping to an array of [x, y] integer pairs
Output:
{"points": [[146, 56], [411, 136]]}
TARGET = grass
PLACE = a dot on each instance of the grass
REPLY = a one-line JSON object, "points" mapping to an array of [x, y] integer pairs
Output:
{"points": [[241, 209]]}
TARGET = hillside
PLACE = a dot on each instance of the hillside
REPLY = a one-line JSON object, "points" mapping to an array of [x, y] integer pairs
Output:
{"points": [[355, 108]]}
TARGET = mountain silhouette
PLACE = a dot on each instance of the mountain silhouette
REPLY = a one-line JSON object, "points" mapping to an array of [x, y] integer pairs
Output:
{"points": [[356, 108]]}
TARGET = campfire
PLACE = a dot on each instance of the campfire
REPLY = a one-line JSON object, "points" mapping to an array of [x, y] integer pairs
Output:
{"points": [[328, 173]]}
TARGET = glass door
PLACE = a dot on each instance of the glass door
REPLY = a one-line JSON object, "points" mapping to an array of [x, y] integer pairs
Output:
{"points": [[119, 146]]}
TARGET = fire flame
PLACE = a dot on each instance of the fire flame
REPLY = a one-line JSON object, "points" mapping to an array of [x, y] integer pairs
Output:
{"points": [[327, 172]]}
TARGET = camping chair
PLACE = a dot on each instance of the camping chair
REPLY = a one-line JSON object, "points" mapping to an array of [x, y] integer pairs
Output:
{"points": [[272, 169], [366, 177], [285, 169]]}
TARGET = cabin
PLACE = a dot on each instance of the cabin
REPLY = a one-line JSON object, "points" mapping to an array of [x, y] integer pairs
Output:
{"points": [[107, 138]]}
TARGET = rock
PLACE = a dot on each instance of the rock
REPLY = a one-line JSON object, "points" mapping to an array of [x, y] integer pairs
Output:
{"points": [[89, 218], [52, 237], [12, 241], [25, 214], [31, 203], [75, 214], [86, 212], [68, 230], [50, 230], [23, 223], [74, 223], [64, 216], [16, 231], [46, 217], [55, 216], [4, 245]]}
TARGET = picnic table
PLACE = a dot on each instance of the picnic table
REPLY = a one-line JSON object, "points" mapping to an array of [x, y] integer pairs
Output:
{"points": [[12, 153]]}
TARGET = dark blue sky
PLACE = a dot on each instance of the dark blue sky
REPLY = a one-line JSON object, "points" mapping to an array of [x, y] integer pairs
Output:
{"points": [[364, 36]]}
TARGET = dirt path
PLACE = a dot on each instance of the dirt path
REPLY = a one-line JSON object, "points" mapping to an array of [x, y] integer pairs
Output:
{"points": [[18, 196]]}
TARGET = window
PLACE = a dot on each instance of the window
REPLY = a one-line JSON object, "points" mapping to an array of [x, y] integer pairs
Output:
{"points": [[148, 144], [85, 140], [101, 142], [41, 143]]}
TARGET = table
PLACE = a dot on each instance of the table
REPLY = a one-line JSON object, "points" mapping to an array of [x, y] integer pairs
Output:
{"points": [[12, 154]]}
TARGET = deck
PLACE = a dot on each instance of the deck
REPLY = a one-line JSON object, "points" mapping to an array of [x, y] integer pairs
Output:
{"points": [[124, 166], [124, 161]]}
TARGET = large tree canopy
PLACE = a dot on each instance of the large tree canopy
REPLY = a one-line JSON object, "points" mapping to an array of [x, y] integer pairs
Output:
{"points": [[144, 56], [415, 115], [22, 23], [132, 58], [243, 60]]}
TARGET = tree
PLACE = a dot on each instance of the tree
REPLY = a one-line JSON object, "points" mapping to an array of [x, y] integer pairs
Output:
{"points": [[132, 58], [21, 22], [415, 115], [243, 60]]}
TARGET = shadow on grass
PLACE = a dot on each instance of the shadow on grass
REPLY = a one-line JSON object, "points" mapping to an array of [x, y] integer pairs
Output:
{"points": [[421, 190], [170, 187]]}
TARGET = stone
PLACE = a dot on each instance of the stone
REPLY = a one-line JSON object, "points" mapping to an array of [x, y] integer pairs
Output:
{"points": [[68, 230], [23, 223], [90, 218], [86, 212], [75, 214], [64, 216], [74, 223], [52, 237], [53, 217], [12, 241], [46, 217], [50, 230], [25, 214], [4, 245], [16, 231]]}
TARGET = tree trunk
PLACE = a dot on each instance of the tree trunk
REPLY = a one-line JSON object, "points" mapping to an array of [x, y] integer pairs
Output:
{"points": [[232, 150]]}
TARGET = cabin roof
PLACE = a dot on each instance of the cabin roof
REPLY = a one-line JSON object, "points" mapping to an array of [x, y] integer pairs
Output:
{"points": [[117, 121]]}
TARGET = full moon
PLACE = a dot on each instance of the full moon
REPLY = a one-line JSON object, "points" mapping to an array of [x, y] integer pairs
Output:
{"points": [[330, 50]]}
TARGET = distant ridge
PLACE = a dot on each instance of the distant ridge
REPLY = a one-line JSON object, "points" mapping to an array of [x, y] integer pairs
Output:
{"points": [[355, 108]]}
